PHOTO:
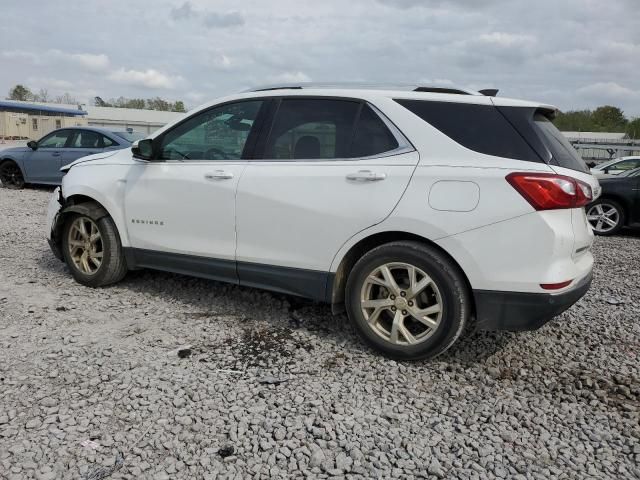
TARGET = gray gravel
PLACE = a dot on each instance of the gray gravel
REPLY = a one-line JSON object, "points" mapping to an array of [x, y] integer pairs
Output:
{"points": [[186, 378]]}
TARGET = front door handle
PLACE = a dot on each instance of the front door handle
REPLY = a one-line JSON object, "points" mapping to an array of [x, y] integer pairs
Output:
{"points": [[218, 175], [366, 176]]}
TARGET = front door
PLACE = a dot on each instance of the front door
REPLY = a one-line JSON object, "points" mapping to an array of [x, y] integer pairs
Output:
{"points": [[330, 169], [43, 164], [180, 208]]}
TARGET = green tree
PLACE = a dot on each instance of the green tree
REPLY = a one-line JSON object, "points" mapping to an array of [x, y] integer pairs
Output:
{"points": [[633, 128], [20, 92], [574, 121], [178, 107], [609, 119]]}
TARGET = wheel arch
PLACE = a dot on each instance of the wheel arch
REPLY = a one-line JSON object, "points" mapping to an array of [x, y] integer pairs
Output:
{"points": [[18, 164], [336, 291], [81, 204]]}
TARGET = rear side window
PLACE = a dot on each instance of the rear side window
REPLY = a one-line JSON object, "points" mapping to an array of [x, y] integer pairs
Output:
{"points": [[372, 136], [562, 152], [481, 128], [312, 129]]}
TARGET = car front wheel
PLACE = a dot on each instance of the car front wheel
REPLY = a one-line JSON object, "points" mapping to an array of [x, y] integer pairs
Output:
{"points": [[408, 300], [93, 251], [11, 175]]}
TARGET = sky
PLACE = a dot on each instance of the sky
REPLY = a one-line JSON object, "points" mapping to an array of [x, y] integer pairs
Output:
{"points": [[574, 54]]}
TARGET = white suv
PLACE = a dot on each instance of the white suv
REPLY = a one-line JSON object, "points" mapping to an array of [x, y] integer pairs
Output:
{"points": [[421, 211]]}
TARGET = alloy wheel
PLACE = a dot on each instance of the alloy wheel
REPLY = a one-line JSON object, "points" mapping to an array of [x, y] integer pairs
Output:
{"points": [[603, 217], [10, 175], [401, 303], [85, 245]]}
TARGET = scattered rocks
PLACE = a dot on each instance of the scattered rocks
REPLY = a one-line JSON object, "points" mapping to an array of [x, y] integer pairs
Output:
{"points": [[268, 386]]}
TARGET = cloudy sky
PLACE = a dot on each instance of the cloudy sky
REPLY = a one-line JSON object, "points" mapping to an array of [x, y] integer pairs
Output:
{"points": [[571, 53]]}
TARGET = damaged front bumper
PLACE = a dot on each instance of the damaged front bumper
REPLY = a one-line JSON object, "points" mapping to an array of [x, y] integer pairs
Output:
{"points": [[53, 213]]}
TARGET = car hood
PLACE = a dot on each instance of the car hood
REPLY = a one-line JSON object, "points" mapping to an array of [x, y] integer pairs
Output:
{"points": [[116, 157]]}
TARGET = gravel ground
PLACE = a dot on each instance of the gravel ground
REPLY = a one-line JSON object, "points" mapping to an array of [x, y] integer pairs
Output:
{"points": [[94, 383]]}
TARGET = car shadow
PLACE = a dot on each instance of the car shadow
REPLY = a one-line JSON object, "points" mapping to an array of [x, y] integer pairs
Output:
{"points": [[252, 307]]}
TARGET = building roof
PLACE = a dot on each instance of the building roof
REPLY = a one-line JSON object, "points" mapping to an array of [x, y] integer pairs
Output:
{"points": [[38, 107], [131, 115], [595, 135]]}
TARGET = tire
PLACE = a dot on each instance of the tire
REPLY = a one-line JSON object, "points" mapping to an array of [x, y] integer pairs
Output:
{"points": [[605, 216], [10, 175], [447, 292], [112, 266]]}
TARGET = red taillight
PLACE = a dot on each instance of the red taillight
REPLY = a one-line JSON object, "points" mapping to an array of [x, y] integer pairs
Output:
{"points": [[555, 286], [548, 191]]}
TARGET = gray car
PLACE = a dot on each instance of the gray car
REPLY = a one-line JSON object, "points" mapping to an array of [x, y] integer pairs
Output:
{"points": [[40, 161]]}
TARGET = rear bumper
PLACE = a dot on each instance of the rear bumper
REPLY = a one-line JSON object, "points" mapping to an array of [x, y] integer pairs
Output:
{"points": [[524, 311]]}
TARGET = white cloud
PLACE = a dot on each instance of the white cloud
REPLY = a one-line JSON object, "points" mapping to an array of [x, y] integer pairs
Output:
{"points": [[609, 90], [149, 78], [89, 61], [502, 39], [289, 77]]}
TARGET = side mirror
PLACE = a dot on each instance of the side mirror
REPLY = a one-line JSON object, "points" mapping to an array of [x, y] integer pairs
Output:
{"points": [[32, 144], [143, 149]]}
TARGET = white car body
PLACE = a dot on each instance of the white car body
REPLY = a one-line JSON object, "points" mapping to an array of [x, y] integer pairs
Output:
{"points": [[289, 225]]}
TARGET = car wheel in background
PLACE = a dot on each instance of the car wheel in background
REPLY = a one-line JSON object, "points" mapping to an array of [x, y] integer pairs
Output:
{"points": [[11, 175], [605, 216], [408, 300], [93, 251]]}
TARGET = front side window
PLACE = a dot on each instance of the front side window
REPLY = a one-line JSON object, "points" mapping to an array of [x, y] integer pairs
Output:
{"points": [[220, 133], [55, 140], [312, 129], [87, 139]]}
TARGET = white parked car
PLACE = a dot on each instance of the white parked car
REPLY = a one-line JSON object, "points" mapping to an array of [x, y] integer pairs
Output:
{"points": [[616, 166], [421, 212]]}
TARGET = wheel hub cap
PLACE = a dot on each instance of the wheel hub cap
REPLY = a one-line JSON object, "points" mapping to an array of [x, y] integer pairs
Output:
{"points": [[401, 303], [85, 245]]}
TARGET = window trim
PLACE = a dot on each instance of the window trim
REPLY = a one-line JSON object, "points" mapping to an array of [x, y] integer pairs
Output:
{"points": [[404, 145]]}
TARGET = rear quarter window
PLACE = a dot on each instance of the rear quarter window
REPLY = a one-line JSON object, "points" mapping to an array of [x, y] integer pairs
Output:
{"points": [[562, 152], [481, 128]]}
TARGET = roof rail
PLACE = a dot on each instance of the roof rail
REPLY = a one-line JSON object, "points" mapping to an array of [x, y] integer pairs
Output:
{"points": [[366, 86]]}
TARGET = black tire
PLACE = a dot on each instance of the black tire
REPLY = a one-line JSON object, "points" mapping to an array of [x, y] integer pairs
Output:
{"points": [[113, 266], [454, 295], [10, 175], [607, 204]]}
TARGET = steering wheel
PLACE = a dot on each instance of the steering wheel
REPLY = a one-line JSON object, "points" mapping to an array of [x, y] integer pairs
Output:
{"points": [[212, 152]]}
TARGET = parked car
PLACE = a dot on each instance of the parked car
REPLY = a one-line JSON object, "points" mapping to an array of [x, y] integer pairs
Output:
{"points": [[419, 211], [616, 166], [619, 204], [40, 161]]}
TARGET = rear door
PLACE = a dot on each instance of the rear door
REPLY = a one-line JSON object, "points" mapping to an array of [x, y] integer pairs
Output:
{"points": [[43, 164], [328, 169]]}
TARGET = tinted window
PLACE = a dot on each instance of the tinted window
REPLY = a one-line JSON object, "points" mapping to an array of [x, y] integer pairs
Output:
{"points": [[107, 142], [216, 134], [481, 128], [54, 140], [562, 152], [312, 129], [372, 136], [87, 139]]}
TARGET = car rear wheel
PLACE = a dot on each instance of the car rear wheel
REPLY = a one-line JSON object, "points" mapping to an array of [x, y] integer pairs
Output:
{"points": [[93, 251], [408, 300], [605, 216], [11, 175]]}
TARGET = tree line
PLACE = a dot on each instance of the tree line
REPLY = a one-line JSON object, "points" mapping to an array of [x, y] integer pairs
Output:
{"points": [[24, 93], [603, 119]]}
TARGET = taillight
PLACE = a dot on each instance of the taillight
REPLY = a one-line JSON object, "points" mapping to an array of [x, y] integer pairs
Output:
{"points": [[548, 191], [555, 286]]}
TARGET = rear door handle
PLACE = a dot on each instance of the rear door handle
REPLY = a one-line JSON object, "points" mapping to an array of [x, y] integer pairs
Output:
{"points": [[56, 154], [218, 175], [366, 176]]}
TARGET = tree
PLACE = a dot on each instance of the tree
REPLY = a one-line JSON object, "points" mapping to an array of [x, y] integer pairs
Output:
{"points": [[20, 92], [574, 121], [66, 98], [609, 118], [42, 96], [633, 128], [178, 107]]}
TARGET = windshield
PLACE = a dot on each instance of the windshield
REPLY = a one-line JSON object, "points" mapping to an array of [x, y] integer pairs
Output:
{"points": [[606, 164], [130, 136], [563, 153]]}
